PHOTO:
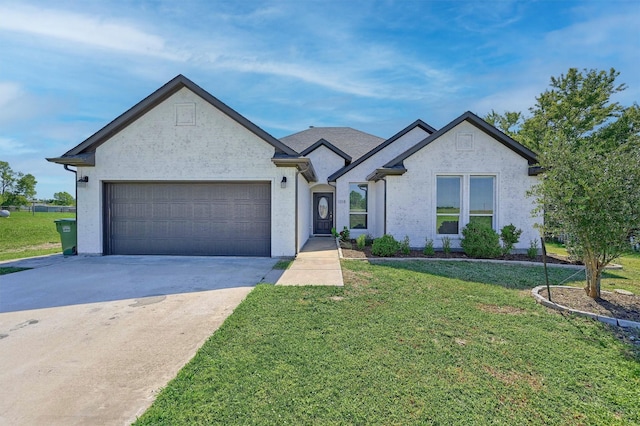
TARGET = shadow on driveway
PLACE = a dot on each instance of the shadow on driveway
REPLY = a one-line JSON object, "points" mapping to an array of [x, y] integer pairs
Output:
{"points": [[61, 281]]}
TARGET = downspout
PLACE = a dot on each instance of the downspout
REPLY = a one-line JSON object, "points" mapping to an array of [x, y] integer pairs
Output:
{"points": [[297, 212], [385, 206], [75, 181]]}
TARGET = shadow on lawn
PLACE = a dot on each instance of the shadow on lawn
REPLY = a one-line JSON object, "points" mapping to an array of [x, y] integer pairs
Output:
{"points": [[515, 277]]}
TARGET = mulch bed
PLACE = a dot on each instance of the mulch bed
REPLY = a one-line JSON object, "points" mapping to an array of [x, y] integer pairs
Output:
{"points": [[610, 304], [355, 253]]}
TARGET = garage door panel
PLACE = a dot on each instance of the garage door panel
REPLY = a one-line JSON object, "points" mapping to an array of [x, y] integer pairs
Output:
{"points": [[232, 219]]}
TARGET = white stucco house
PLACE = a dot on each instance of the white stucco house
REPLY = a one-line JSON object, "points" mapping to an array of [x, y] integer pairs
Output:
{"points": [[182, 173]]}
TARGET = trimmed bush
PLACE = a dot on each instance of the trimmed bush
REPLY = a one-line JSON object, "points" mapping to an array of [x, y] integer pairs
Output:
{"points": [[385, 246], [480, 240], [405, 246], [361, 241], [510, 237], [446, 245], [532, 251], [428, 248]]}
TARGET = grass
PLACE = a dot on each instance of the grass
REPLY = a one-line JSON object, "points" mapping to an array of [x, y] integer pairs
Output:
{"points": [[10, 270], [407, 343], [283, 264], [24, 234], [627, 278]]}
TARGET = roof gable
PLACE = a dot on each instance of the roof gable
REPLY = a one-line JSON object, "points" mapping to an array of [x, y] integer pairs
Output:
{"points": [[396, 166], [330, 146], [418, 123], [82, 153]]}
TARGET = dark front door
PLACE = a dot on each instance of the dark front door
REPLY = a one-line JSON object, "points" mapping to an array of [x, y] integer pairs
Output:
{"points": [[322, 213]]}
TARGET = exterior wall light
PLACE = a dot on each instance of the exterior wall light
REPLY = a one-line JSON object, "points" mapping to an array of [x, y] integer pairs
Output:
{"points": [[283, 182], [84, 179]]}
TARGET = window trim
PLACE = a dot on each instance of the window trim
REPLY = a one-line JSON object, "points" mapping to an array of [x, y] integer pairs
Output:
{"points": [[493, 210], [366, 212], [465, 188], [460, 200]]}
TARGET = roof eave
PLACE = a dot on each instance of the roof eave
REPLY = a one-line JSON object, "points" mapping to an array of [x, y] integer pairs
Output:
{"points": [[87, 159], [303, 164], [535, 170], [383, 172]]}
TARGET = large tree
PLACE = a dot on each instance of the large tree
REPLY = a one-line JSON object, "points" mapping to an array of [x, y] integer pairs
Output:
{"points": [[589, 149], [63, 199], [17, 189]]}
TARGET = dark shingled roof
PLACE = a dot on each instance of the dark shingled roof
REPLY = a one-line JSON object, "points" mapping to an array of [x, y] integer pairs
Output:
{"points": [[351, 141]]}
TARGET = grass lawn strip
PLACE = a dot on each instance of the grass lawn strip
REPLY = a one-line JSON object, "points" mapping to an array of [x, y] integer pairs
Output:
{"points": [[407, 343], [24, 234], [4, 270]]}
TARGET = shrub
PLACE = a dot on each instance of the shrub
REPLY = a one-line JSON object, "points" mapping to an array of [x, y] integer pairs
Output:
{"points": [[334, 233], [510, 237], [368, 240], [385, 246], [405, 247], [532, 251], [344, 234], [446, 245], [428, 248], [361, 241], [480, 240]]}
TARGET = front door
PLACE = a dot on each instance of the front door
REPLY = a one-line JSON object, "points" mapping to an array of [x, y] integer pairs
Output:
{"points": [[322, 213]]}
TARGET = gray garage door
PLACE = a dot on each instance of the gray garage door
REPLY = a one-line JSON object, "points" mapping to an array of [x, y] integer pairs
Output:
{"points": [[194, 219]]}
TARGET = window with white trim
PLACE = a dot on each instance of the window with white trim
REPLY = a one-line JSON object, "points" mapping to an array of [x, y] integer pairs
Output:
{"points": [[464, 199], [358, 210], [448, 190], [481, 199]]}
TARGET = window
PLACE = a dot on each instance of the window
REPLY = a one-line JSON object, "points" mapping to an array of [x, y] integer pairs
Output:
{"points": [[481, 199], [358, 205], [464, 199], [448, 204]]}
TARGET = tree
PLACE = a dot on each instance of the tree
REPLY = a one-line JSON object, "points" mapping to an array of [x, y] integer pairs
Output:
{"points": [[509, 123], [7, 177], [589, 149], [17, 188], [63, 199]]}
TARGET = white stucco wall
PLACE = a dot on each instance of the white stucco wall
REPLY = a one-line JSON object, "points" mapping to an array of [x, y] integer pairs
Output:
{"points": [[325, 162], [215, 148], [411, 198], [376, 191]]}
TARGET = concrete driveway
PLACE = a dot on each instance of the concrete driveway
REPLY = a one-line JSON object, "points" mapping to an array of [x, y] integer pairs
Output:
{"points": [[91, 340]]}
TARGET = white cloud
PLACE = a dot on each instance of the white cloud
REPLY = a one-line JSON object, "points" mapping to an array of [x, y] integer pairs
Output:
{"points": [[10, 147], [9, 92], [84, 29]]}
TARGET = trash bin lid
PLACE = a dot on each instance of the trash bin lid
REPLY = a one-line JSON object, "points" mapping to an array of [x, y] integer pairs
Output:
{"points": [[64, 220]]}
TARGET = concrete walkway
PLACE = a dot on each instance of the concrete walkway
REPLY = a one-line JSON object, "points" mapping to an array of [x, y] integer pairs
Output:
{"points": [[318, 263]]}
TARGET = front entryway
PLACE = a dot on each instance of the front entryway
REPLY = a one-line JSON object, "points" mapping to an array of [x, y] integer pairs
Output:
{"points": [[322, 213]]}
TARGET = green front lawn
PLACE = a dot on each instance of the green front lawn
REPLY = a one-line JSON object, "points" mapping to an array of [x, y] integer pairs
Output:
{"points": [[25, 234], [407, 343]]}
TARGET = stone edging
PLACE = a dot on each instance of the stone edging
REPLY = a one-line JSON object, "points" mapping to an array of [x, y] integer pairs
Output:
{"points": [[458, 259], [607, 320]]}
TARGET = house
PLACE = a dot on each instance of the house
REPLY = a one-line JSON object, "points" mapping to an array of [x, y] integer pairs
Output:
{"points": [[183, 173]]}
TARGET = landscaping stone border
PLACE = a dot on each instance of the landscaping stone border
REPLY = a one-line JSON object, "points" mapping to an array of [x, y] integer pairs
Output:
{"points": [[607, 320], [612, 266]]}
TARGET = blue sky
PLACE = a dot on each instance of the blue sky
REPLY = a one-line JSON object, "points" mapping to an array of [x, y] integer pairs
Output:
{"points": [[67, 68]]}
